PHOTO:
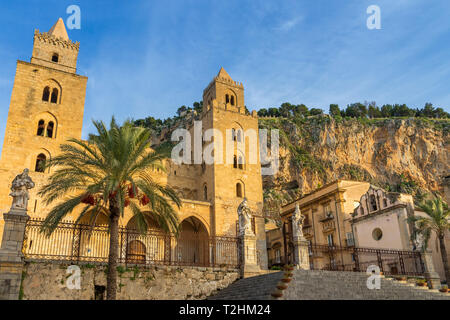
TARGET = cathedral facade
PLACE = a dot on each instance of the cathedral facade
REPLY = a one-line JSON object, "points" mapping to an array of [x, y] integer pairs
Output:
{"points": [[46, 109]]}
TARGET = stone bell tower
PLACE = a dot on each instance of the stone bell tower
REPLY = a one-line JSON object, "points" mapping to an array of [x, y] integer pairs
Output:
{"points": [[46, 108], [239, 176]]}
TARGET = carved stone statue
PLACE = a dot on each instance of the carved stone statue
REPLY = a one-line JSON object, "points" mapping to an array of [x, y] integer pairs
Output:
{"points": [[297, 222], [245, 216], [419, 242], [19, 190]]}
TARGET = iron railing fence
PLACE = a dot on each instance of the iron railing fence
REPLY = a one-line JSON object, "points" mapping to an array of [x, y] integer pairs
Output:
{"points": [[83, 243], [390, 261]]}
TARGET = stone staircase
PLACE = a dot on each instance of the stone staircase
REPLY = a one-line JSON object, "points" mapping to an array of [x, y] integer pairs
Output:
{"points": [[253, 288], [325, 285]]}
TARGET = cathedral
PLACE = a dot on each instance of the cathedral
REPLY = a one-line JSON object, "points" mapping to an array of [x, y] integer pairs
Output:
{"points": [[46, 109]]}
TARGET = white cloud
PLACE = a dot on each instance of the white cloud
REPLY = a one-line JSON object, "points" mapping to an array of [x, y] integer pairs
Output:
{"points": [[289, 24]]}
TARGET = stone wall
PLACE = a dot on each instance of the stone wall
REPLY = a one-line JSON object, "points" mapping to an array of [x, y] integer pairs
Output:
{"points": [[47, 280]]}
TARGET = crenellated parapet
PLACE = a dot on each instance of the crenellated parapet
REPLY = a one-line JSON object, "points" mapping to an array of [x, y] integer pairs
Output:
{"points": [[56, 41]]}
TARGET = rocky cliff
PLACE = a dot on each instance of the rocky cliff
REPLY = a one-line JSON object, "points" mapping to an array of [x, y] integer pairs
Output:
{"points": [[404, 155]]}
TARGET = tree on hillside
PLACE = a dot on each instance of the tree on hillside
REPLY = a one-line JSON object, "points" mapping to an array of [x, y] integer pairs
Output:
{"points": [[374, 111], [198, 107], [402, 111], [262, 112], [315, 111], [149, 123], [437, 220], [110, 172], [301, 110], [286, 109], [181, 110], [334, 110], [273, 112], [386, 111]]}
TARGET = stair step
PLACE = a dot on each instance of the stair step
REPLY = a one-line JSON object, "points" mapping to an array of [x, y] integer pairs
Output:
{"points": [[325, 285]]}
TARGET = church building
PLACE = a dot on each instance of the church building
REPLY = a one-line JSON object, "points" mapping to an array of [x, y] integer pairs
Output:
{"points": [[46, 109]]}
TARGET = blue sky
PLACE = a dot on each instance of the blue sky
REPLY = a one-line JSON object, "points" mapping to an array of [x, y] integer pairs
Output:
{"points": [[150, 57]]}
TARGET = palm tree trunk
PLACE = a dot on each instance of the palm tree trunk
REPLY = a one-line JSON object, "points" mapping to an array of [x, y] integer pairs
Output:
{"points": [[444, 257], [111, 279]]}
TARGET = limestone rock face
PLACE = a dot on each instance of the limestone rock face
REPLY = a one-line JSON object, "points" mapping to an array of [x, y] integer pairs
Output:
{"points": [[405, 155]]}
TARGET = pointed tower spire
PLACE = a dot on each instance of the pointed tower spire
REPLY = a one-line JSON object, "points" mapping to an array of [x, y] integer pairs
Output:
{"points": [[59, 30], [223, 74]]}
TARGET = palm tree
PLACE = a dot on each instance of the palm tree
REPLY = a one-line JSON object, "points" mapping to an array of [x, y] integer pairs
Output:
{"points": [[437, 221], [104, 175]]}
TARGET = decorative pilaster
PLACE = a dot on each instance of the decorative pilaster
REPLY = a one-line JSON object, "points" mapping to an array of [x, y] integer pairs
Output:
{"points": [[301, 253], [11, 256], [433, 280], [249, 259]]}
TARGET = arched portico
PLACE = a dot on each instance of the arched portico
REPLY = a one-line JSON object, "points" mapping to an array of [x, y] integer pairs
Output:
{"points": [[144, 247], [192, 246]]}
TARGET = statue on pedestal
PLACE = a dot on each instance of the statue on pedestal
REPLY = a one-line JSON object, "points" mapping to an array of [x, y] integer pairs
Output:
{"points": [[19, 190], [245, 216], [297, 223]]}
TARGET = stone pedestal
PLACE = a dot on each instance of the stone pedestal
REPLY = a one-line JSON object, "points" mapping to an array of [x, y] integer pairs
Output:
{"points": [[301, 253], [249, 258], [11, 256], [433, 280]]}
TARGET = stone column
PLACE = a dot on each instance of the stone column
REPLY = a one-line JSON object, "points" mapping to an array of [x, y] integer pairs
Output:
{"points": [[11, 256], [249, 260], [433, 280], [301, 253]]}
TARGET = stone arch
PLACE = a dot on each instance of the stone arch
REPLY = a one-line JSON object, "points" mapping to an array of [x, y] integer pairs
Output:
{"points": [[39, 159], [231, 97], [42, 121], [52, 91], [40, 162], [373, 202], [277, 254], [240, 160], [144, 247], [240, 189], [192, 246], [46, 94], [152, 224], [40, 128], [237, 131], [101, 219], [54, 96]]}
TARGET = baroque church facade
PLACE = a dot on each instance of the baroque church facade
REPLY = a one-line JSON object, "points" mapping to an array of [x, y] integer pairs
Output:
{"points": [[46, 109]]}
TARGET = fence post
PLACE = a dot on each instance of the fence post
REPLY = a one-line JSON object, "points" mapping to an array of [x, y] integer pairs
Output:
{"points": [[433, 280], [167, 249], [402, 263], [80, 235], [11, 255], [380, 261], [121, 256], [212, 262], [356, 257]]}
